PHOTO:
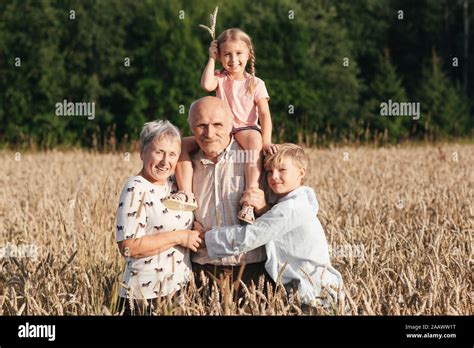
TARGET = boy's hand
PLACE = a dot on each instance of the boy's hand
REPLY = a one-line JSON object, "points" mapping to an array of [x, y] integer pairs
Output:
{"points": [[256, 198], [213, 50], [270, 149]]}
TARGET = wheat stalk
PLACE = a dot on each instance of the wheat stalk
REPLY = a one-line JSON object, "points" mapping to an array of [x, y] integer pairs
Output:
{"points": [[212, 24], [410, 256]]}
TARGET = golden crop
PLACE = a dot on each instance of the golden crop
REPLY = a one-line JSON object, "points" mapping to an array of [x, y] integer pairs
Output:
{"points": [[399, 221]]}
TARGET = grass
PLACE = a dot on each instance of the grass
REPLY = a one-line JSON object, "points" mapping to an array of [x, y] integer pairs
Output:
{"points": [[399, 222]]}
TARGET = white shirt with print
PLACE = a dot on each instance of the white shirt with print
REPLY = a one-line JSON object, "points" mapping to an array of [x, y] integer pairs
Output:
{"points": [[140, 213]]}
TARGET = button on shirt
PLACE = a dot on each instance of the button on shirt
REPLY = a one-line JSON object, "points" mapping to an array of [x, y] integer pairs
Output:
{"points": [[218, 188]]}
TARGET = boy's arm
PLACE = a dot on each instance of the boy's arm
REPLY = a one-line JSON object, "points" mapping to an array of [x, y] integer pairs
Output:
{"points": [[266, 123], [234, 240]]}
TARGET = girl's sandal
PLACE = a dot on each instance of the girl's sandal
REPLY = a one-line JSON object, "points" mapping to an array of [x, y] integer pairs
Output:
{"points": [[247, 214], [180, 201]]}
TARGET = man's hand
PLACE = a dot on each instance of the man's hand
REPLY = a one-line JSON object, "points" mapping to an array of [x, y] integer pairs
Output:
{"points": [[198, 227], [256, 198]]}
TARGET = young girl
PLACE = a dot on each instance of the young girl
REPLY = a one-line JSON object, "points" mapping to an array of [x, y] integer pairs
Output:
{"points": [[247, 98]]}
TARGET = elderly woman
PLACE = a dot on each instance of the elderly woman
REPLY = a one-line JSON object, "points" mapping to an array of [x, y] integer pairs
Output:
{"points": [[154, 240]]}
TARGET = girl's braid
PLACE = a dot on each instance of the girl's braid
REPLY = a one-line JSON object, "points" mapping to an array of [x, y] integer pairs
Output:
{"points": [[251, 86]]}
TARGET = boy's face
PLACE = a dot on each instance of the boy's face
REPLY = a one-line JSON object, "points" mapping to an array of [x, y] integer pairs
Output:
{"points": [[285, 178]]}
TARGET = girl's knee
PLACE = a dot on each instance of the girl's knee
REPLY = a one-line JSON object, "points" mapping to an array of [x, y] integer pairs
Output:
{"points": [[250, 139]]}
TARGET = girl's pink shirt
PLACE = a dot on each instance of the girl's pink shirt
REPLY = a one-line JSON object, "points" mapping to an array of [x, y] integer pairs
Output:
{"points": [[234, 93]]}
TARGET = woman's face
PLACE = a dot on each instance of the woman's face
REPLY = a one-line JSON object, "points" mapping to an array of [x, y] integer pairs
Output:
{"points": [[159, 159]]}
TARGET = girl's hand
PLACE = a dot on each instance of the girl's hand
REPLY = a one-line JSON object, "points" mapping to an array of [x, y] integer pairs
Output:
{"points": [[190, 239], [270, 149], [213, 50]]}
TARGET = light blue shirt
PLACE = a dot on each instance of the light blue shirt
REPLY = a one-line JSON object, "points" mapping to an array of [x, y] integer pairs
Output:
{"points": [[292, 234]]}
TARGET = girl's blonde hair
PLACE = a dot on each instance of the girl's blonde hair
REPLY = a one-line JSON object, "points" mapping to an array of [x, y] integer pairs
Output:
{"points": [[237, 34], [287, 151]]}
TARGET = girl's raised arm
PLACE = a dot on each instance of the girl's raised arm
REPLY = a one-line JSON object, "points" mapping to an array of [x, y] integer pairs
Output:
{"points": [[208, 79]]}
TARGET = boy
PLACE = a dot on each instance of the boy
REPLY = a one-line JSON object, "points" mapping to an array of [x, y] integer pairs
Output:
{"points": [[290, 231]]}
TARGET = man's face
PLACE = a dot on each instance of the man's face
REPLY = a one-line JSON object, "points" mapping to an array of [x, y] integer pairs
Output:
{"points": [[211, 127]]}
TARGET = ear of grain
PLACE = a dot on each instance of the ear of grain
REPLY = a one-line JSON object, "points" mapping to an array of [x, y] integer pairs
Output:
{"points": [[398, 220]]}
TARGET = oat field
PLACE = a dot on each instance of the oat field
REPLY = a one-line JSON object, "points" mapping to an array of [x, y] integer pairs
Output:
{"points": [[399, 221]]}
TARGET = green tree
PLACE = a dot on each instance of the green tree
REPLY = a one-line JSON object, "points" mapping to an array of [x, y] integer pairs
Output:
{"points": [[172, 58], [444, 110], [32, 77], [367, 24], [320, 61], [300, 57], [385, 86]]}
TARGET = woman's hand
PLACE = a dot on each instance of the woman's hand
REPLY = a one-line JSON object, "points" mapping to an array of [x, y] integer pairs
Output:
{"points": [[190, 239], [270, 149], [213, 50]]}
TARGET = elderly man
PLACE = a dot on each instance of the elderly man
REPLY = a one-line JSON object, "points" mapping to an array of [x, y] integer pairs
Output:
{"points": [[218, 184]]}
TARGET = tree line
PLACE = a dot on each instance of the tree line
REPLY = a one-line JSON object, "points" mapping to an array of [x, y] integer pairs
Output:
{"points": [[328, 66]]}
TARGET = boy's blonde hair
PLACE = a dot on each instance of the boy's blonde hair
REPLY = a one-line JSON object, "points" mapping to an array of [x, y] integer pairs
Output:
{"points": [[238, 34], [287, 150]]}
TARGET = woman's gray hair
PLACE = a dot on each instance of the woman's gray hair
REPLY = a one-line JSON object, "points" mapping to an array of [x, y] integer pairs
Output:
{"points": [[159, 129]]}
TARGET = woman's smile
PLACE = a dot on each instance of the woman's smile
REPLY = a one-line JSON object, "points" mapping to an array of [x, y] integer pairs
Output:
{"points": [[159, 160]]}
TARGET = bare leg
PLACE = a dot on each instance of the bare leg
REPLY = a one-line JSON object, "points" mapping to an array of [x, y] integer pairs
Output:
{"points": [[251, 141], [184, 168]]}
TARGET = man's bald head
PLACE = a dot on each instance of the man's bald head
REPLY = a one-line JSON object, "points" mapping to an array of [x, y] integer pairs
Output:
{"points": [[210, 120], [204, 105]]}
